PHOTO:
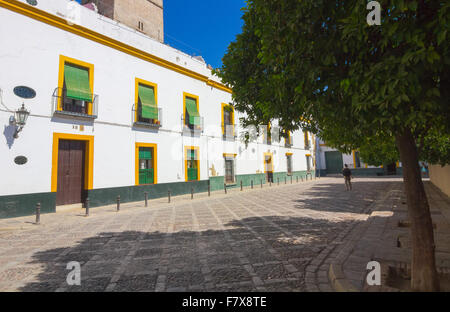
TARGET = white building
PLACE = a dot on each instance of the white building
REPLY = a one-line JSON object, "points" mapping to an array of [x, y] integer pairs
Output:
{"points": [[118, 113]]}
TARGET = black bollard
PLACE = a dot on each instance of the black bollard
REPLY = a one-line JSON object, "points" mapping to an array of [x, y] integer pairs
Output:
{"points": [[285, 180], [146, 198], [168, 194], [261, 183], [209, 189], [38, 213], [297, 179], [87, 207], [241, 186], [225, 187], [118, 203], [192, 193], [252, 184]]}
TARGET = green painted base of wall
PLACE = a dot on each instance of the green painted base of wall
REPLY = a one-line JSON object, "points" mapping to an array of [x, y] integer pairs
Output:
{"points": [[14, 206], [108, 196]]}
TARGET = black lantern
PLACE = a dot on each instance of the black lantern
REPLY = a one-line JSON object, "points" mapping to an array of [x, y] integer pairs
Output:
{"points": [[21, 119]]}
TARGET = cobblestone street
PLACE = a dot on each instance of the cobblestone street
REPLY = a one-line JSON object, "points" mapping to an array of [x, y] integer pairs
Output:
{"points": [[270, 239]]}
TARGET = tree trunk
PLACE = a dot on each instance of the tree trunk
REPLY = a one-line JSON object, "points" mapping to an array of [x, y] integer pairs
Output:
{"points": [[423, 268]]}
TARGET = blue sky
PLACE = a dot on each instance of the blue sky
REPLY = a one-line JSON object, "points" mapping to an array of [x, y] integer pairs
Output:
{"points": [[202, 27]]}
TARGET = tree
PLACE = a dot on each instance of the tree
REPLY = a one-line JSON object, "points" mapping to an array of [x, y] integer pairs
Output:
{"points": [[317, 65]]}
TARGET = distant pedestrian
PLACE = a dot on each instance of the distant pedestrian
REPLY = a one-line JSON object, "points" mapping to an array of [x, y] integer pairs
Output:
{"points": [[347, 173]]}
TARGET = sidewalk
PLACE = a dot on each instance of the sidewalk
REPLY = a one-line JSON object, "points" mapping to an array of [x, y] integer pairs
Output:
{"points": [[28, 222], [385, 238]]}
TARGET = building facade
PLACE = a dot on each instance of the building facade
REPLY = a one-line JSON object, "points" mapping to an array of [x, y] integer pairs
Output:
{"points": [[117, 113]]}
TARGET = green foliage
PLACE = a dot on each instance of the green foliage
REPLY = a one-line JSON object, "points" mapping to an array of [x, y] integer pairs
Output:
{"points": [[319, 60]]}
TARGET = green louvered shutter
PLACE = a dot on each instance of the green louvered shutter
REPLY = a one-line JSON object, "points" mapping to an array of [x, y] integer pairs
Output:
{"points": [[146, 175], [77, 83], [148, 102], [191, 107]]}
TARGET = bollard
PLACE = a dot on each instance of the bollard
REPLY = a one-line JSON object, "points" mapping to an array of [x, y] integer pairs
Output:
{"points": [[291, 179], [146, 198], [225, 187], [297, 179], [209, 189], [261, 183], [38, 213], [192, 192], [278, 181], [118, 203], [285, 180], [168, 194], [241, 186], [252, 184], [87, 207]]}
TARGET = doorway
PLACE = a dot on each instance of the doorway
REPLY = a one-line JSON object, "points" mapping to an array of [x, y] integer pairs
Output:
{"points": [[71, 172]]}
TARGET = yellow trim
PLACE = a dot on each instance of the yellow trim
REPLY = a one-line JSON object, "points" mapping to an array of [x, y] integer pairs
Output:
{"points": [[269, 128], [90, 67], [61, 23], [88, 163], [354, 159], [397, 164], [289, 154], [308, 155], [229, 155], [271, 160], [197, 153], [155, 161], [322, 144], [192, 96], [232, 117], [306, 139], [366, 166], [137, 82], [288, 138]]}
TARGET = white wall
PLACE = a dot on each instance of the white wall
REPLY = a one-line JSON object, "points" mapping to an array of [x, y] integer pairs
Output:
{"points": [[29, 55]]}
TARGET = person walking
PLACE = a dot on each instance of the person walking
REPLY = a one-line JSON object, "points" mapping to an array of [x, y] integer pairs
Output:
{"points": [[347, 173]]}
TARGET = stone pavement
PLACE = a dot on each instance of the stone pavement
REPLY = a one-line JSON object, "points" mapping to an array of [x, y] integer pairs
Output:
{"points": [[385, 238], [280, 238]]}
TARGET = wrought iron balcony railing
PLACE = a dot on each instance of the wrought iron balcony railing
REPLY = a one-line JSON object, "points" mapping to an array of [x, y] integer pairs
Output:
{"points": [[66, 107], [139, 121]]}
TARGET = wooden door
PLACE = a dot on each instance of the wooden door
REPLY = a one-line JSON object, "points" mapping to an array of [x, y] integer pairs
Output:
{"points": [[71, 162]]}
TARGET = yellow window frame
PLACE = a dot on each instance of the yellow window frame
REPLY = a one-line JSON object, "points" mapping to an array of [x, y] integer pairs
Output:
{"points": [[224, 106], [137, 82], [192, 96], [90, 67], [136, 162]]}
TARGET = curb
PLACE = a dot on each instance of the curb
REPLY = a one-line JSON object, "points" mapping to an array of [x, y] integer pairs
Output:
{"points": [[338, 280]]}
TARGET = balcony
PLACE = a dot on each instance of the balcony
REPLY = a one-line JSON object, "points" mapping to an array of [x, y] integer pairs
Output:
{"points": [[229, 132], [65, 107], [139, 122], [193, 128]]}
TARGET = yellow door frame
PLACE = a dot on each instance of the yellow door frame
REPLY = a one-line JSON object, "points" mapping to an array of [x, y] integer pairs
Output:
{"points": [[155, 161], [88, 163], [197, 154], [271, 161]]}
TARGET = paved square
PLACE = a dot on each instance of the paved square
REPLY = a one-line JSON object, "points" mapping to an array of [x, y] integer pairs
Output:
{"points": [[272, 239]]}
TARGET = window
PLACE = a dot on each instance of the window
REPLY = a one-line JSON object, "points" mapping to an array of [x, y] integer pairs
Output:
{"points": [[146, 103], [356, 159], [307, 145], [146, 157], [229, 168], [308, 162], [289, 163], [141, 26], [191, 115], [227, 120], [268, 134], [192, 164], [75, 86], [288, 139]]}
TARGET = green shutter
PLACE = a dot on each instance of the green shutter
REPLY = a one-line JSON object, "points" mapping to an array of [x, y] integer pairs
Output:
{"points": [[191, 107], [145, 153], [146, 176], [192, 174], [147, 97], [77, 83]]}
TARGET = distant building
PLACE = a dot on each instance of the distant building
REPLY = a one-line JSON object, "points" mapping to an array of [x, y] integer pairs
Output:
{"points": [[145, 16]]}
